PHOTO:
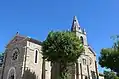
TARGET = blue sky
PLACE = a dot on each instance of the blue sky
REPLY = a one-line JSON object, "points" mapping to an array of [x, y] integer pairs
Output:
{"points": [[35, 18]]}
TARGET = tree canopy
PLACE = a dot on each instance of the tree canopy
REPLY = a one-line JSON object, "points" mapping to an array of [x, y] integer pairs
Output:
{"points": [[62, 47], [1, 58], [110, 75], [110, 57]]}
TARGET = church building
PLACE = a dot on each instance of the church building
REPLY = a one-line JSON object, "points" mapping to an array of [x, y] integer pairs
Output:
{"points": [[23, 59]]}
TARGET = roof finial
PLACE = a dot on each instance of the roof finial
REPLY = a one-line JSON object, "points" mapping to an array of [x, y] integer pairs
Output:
{"points": [[17, 33]]}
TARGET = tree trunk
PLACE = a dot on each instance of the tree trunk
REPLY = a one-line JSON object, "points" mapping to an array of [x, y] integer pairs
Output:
{"points": [[55, 71]]}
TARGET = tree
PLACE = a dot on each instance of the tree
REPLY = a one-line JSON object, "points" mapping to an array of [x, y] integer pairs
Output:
{"points": [[110, 75], [1, 59], [62, 48], [110, 57]]}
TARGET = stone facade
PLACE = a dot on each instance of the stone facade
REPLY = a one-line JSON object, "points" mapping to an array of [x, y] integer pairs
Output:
{"points": [[20, 57], [13, 66], [23, 59]]}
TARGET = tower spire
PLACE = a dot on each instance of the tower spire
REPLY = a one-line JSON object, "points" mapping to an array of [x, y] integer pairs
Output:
{"points": [[75, 25]]}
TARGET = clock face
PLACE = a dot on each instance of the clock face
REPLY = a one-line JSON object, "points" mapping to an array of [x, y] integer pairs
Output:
{"points": [[15, 54]]}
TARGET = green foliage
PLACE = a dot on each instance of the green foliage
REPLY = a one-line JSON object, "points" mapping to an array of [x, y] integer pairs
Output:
{"points": [[1, 58], [110, 57], [62, 47], [110, 75]]}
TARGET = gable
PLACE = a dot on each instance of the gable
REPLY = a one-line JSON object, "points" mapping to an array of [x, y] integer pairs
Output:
{"points": [[19, 38], [89, 47], [16, 39]]}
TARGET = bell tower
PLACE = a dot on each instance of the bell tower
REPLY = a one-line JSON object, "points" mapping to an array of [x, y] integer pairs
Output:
{"points": [[81, 33], [86, 67]]}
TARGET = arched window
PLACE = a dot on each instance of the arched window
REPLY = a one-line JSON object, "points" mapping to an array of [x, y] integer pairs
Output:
{"points": [[36, 56], [84, 61], [82, 41]]}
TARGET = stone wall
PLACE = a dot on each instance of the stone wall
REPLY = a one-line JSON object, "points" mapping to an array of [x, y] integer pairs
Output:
{"points": [[10, 66], [30, 61], [0, 72]]}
